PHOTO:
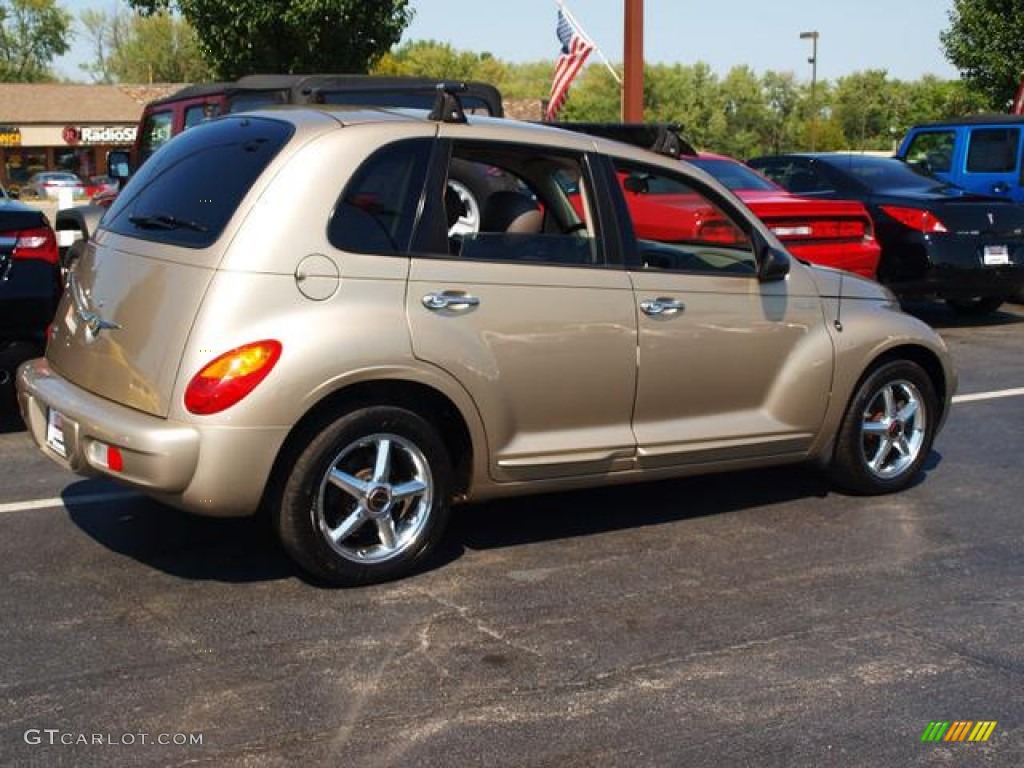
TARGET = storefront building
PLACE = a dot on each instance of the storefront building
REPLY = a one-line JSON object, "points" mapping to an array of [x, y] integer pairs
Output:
{"points": [[67, 127]]}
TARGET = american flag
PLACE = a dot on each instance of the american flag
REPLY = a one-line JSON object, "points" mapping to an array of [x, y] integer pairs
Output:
{"points": [[575, 49]]}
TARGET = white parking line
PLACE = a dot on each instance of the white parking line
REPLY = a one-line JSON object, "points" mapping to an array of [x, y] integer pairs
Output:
{"points": [[99, 498], [988, 395], [57, 501]]}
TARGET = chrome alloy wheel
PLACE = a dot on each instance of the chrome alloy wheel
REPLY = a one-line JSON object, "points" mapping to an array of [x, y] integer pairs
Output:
{"points": [[893, 429], [375, 499]]}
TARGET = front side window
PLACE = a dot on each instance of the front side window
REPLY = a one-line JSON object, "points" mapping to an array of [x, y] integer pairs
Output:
{"points": [[993, 150], [378, 207], [188, 191], [680, 228], [932, 151]]}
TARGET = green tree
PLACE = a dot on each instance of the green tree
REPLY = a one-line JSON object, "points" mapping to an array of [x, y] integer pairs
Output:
{"points": [[984, 42], [32, 34], [781, 95], [240, 37], [131, 48]]}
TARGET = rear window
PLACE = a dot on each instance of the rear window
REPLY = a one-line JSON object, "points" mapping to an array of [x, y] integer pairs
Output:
{"points": [[188, 191]]}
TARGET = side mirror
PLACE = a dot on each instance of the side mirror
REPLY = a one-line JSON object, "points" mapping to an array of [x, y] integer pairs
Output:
{"points": [[773, 264], [117, 165]]}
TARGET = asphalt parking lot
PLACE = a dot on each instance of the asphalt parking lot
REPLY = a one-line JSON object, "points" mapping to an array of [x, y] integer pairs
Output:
{"points": [[754, 619]]}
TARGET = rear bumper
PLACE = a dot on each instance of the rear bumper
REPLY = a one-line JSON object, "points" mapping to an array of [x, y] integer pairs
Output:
{"points": [[950, 267], [160, 457]]}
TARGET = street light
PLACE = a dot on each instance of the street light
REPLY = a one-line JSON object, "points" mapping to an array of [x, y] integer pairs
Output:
{"points": [[813, 61]]}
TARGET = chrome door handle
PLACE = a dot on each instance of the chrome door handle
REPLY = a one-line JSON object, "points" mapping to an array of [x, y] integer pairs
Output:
{"points": [[661, 306], [449, 300]]}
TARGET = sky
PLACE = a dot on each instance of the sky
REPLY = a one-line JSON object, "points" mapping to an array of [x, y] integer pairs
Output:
{"points": [[899, 36]]}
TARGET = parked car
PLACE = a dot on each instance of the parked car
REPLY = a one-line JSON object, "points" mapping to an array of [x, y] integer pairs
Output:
{"points": [[937, 240], [273, 314], [100, 187], [981, 153], [48, 184], [29, 285]]}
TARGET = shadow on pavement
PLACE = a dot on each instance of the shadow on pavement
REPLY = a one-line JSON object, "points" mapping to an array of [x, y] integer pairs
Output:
{"points": [[246, 550], [511, 522], [10, 418], [175, 542], [938, 315]]}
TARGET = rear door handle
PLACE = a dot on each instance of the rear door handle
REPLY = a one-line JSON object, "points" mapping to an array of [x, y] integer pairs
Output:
{"points": [[662, 305], [449, 300]]}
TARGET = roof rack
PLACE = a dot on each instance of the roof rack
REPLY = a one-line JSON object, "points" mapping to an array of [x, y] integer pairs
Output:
{"points": [[447, 104], [663, 138]]}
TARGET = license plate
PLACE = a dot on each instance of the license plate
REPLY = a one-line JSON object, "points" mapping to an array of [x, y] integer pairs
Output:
{"points": [[55, 433], [996, 255]]}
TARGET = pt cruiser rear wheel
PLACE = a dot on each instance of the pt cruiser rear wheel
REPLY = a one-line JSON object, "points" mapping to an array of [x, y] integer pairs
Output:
{"points": [[887, 431], [367, 499]]}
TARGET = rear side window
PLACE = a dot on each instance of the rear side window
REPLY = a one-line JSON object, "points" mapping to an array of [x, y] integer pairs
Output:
{"points": [[993, 150], [378, 208], [188, 191]]}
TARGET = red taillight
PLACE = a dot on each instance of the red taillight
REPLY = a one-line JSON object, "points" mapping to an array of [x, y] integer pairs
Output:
{"points": [[39, 243], [824, 229], [228, 378], [720, 231], [915, 218]]}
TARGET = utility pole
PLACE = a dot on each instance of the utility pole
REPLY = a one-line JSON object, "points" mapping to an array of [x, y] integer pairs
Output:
{"points": [[633, 85], [813, 61]]}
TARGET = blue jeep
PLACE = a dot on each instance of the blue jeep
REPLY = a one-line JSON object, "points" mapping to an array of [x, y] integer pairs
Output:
{"points": [[981, 153]]}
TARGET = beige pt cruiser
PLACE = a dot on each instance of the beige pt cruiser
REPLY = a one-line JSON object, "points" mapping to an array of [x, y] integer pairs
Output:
{"points": [[353, 318]]}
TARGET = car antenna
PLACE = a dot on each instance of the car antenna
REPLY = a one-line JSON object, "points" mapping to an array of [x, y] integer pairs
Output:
{"points": [[447, 104]]}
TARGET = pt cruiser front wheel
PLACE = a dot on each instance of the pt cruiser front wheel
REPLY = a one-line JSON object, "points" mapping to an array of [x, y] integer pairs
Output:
{"points": [[367, 499], [887, 431]]}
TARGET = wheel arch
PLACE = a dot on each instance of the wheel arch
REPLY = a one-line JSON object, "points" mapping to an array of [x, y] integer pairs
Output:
{"points": [[943, 382], [425, 401]]}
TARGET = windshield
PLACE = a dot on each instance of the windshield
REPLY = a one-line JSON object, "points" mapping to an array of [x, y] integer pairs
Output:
{"points": [[733, 175], [881, 174]]}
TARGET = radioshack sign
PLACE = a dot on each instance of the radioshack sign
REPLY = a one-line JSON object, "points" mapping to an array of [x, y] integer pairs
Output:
{"points": [[99, 134]]}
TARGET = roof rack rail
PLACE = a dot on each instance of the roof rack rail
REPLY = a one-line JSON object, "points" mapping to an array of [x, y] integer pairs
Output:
{"points": [[447, 104], [663, 138]]}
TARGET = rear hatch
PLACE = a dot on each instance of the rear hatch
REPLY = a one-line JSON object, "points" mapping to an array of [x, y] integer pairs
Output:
{"points": [[122, 326]]}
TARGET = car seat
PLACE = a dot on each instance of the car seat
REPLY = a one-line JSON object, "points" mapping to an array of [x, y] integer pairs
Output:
{"points": [[507, 210]]}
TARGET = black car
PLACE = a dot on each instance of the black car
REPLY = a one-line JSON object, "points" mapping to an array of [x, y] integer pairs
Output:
{"points": [[937, 240], [29, 284]]}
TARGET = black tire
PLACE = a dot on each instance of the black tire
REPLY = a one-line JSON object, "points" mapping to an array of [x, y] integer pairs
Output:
{"points": [[980, 305], [340, 481], [872, 460]]}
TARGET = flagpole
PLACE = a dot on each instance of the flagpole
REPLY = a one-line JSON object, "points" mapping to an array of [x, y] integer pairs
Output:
{"points": [[572, 20]]}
